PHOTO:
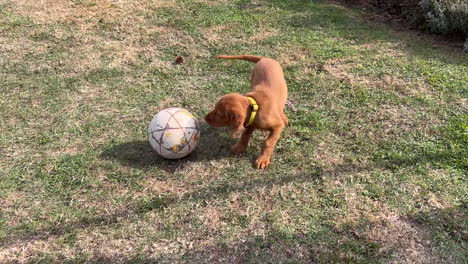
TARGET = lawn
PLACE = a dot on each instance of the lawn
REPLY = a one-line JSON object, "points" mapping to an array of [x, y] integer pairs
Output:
{"points": [[371, 169]]}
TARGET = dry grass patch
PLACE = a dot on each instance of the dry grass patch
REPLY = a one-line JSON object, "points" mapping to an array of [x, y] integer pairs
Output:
{"points": [[72, 149], [399, 237], [201, 171], [437, 202], [329, 155], [86, 50], [392, 122], [96, 235], [11, 203], [95, 52], [21, 253], [15, 49], [98, 244], [51, 11], [407, 242], [217, 34], [292, 56], [264, 34], [212, 218], [463, 103], [156, 187], [396, 121], [222, 34], [386, 50], [344, 70]]}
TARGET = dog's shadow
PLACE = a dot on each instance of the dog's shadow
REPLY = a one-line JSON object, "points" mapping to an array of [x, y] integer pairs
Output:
{"points": [[214, 144]]}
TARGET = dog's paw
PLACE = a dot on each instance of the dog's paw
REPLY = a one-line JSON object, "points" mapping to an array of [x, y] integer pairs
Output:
{"points": [[238, 148], [262, 162]]}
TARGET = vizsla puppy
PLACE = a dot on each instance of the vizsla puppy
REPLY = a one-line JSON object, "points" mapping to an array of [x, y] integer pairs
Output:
{"points": [[269, 93]]}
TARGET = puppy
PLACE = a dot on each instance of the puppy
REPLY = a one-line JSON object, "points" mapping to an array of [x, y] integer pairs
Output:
{"points": [[266, 111]]}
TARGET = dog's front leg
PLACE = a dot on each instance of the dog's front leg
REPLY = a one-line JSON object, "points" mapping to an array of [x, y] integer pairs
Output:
{"points": [[264, 159], [244, 141]]}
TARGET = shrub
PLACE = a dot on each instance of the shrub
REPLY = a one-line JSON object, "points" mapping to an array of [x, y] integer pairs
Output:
{"points": [[446, 16]]}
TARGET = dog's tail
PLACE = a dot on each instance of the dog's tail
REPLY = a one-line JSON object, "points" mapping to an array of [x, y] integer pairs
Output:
{"points": [[251, 58]]}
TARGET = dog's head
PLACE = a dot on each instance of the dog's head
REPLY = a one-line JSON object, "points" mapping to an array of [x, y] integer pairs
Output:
{"points": [[230, 112]]}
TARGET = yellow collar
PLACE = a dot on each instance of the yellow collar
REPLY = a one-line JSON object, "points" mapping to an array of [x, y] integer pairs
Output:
{"points": [[254, 106]]}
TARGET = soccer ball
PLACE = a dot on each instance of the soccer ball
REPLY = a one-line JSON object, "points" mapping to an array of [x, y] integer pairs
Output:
{"points": [[174, 133]]}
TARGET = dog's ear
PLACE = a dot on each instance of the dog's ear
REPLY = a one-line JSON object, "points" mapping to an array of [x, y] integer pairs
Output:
{"points": [[236, 123]]}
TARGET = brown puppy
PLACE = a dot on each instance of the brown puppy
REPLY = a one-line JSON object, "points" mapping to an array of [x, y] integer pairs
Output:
{"points": [[269, 89]]}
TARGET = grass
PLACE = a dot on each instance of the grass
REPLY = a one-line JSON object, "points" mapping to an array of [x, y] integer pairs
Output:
{"points": [[372, 168]]}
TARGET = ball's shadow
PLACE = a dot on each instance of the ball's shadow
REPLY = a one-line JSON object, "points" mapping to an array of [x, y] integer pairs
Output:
{"points": [[214, 144]]}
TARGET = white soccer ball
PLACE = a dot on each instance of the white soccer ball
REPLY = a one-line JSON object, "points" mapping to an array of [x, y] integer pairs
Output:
{"points": [[174, 133]]}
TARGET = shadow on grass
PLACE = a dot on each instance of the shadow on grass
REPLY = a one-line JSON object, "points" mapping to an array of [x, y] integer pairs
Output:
{"points": [[214, 144], [270, 249], [448, 228], [155, 203], [325, 245]]}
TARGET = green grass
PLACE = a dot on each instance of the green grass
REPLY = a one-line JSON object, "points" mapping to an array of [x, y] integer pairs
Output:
{"points": [[372, 168]]}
